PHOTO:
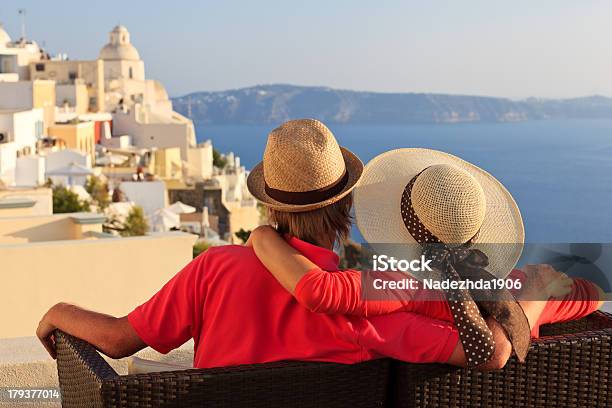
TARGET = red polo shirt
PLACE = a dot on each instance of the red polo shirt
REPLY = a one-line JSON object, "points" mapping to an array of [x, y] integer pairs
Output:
{"points": [[238, 313]]}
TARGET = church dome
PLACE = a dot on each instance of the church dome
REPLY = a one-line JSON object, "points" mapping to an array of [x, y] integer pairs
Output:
{"points": [[160, 92], [4, 37], [119, 46]]}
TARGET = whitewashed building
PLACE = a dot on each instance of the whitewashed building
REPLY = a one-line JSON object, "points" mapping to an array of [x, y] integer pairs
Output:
{"points": [[150, 195], [24, 127], [150, 129], [16, 56], [20, 129], [200, 161], [30, 171], [8, 163], [27, 95], [142, 109], [59, 159]]}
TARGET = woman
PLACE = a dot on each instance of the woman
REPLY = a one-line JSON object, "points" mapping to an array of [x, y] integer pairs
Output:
{"points": [[456, 190]]}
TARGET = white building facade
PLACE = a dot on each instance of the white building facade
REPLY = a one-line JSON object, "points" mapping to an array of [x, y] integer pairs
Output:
{"points": [[20, 131], [59, 159], [15, 57]]}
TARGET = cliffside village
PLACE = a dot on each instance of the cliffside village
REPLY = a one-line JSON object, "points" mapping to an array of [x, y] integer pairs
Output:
{"points": [[65, 121]]}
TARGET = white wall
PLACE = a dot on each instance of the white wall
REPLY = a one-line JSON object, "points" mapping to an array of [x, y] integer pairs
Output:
{"points": [[75, 95], [112, 275], [119, 85], [117, 142], [9, 77], [234, 186], [62, 158], [28, 127], [149, 132], [16, 95], [150, 195], [26, 54], [23, 56], [200, 161], [120, 69], [8, 162], [30, 171]]}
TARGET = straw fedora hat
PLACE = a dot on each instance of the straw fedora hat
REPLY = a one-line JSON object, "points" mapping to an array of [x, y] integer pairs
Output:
{"points": [[415, 196], [303, 168]]}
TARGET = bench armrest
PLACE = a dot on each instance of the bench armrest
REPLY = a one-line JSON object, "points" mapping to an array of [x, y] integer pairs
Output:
{"points": [[81, 371]]}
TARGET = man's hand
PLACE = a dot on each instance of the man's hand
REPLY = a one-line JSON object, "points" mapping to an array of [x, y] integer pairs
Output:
{"points": [[44, 332]]}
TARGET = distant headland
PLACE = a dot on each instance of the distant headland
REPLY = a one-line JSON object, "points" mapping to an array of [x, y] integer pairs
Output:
{"points": [[269, 104]]}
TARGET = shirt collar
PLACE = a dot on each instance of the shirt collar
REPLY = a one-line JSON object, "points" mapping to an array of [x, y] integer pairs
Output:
{"points": [[325, 259]]}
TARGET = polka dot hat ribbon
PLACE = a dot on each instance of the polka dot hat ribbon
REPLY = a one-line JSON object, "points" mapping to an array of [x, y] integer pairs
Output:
{"points": [[457, 263]]}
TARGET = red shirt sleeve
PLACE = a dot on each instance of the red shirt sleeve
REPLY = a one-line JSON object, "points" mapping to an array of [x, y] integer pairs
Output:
{"points": [[580, 302], [166, 321], [409, 337], [331, 292], [340, 292]]}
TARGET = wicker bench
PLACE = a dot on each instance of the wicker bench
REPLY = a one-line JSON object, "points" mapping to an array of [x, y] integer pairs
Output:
{"points": [[569, 366]]}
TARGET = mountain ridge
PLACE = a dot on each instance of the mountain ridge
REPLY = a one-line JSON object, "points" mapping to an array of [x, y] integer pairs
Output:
{"points": [[276, 103]]}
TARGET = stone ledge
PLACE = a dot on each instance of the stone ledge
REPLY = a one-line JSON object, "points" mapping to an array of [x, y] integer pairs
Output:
{"points": [[16, 203], [87, 218]]}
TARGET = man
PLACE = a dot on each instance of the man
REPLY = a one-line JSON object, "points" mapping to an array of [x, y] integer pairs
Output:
{"points": [[238, 313]]}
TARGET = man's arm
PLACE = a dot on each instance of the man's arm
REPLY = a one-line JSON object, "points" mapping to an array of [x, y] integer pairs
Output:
{"points": [[113, 336]]}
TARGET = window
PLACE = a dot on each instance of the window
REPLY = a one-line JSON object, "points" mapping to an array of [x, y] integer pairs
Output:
{"points": [[38, 128], [72, 76], [131, 73], [40, 67], [6, 64]]}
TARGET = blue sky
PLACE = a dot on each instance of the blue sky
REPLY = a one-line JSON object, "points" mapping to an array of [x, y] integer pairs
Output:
{"points": [[518, 48]]}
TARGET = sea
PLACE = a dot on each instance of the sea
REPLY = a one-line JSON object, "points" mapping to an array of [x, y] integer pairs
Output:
{"points": [[559, 171]]}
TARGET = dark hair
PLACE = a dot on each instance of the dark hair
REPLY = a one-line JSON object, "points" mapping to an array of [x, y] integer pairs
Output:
{"points": [[331, 222]]}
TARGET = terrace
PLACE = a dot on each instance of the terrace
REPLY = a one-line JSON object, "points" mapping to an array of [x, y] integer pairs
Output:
{"points": [[47, 258]]}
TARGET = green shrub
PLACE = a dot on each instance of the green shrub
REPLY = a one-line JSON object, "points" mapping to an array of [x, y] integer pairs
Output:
{"points": [[218, 160], [98, 190], [135, 223], [66, 201], [200, 247]]}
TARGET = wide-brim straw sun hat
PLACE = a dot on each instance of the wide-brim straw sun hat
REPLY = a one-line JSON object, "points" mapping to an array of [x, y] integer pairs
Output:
{"points": [[436, 193], [303, 168]]}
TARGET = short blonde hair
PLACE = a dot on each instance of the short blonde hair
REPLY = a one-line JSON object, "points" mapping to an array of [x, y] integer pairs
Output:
{"points": [[332, 221]]}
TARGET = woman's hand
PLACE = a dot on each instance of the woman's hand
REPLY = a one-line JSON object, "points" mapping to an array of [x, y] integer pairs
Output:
{"points": [[544, 282], [260, 233], [285, 263]]}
